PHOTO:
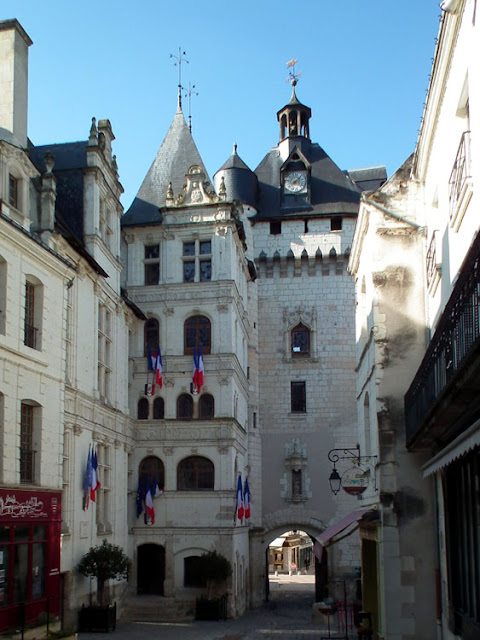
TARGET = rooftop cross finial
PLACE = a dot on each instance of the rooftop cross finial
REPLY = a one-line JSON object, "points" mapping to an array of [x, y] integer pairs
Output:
{"points": [[292, 76], [189, 94], [179, 59]]}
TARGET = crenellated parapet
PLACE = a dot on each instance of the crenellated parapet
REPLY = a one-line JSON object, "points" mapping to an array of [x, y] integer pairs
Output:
{"points": [[304, 264]]}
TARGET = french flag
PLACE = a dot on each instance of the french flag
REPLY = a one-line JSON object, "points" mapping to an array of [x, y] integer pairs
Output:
{"points": [[158, 368], [95, 486], [149, 511], [239, 505], [198, 370], [246, 499]]}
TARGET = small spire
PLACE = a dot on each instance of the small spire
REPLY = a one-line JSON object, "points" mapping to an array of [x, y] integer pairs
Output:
{"points": [[179, 59], [92, 140], [222, 191], [234, 152], [49, 162]]}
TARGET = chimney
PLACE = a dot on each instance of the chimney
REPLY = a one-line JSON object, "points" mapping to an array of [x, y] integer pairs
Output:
{"points": [[14, 43]]}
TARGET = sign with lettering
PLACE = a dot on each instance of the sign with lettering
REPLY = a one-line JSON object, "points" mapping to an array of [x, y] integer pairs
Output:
{"points": [[17, 504]]}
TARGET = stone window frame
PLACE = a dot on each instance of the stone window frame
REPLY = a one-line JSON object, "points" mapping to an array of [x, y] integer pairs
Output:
{"points": [[292, 318], [198, 475], [197, 257], [296, 465]]}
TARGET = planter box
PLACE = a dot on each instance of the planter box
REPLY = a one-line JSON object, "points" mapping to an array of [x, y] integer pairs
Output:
{"points": [[214, 609], [98, 618]]}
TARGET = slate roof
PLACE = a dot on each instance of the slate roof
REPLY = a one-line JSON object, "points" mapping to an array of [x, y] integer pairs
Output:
{"points": [[332, 191], [240, 181], [368, 178], [175, 156], [70, 159]]}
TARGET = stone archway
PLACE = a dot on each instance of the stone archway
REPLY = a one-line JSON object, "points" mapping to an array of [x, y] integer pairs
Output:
{"points": [[259, 543]]}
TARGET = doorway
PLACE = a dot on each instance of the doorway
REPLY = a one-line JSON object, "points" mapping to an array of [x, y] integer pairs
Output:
{"points": [[150, 569]]}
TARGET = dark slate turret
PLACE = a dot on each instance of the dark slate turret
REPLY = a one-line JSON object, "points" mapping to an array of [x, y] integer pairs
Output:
{"points": [[239, 180], [175, 156]]}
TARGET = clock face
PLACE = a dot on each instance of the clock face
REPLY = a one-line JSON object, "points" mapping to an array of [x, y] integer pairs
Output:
{"points": [[295, 182]]}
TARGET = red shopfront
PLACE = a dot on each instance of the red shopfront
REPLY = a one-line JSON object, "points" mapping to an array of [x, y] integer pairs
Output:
{"points": [[29, 555]]}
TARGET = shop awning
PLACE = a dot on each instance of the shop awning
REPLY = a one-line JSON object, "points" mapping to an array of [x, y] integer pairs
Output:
{"points": [[347, 525], [469, 439]]}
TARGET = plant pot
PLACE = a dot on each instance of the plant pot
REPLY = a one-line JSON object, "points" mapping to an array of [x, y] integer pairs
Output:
{"points": [[213, 609], [98, 618]]}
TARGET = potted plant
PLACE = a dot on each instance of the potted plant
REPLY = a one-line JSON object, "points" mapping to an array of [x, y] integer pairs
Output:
{"points": [[103, 562], [215, 569]]}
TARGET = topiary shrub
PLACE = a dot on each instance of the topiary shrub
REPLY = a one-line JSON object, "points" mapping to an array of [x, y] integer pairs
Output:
{"points": [[104, 562]]}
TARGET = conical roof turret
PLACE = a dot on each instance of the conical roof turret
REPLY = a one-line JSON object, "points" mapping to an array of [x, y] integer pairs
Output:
{"points": [[176, 155], [239, 180]]}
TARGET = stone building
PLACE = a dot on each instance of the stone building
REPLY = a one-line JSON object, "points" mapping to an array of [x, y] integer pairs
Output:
{"points": [[415, 260], [252, 274], [63, 338]]}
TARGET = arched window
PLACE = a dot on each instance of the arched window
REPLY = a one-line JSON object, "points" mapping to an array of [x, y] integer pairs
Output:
{"points": [[300, 341], [206, 407], [158, 409], [184, 407], [197, 333], [195, 474], [142, 409], [150, 336], [151, 471]]}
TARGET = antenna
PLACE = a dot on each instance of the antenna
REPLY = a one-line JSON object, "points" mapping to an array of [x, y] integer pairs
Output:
{"points": [[292, 75], [179, 59], [189, 94]]}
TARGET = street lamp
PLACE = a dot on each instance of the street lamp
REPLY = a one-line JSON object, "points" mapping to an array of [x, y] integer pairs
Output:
{"points": [[352, 454], [335, 481]]}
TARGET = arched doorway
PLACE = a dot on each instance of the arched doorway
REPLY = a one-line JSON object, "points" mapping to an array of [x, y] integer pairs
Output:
{"points": [[150, 569], [291, 569]]}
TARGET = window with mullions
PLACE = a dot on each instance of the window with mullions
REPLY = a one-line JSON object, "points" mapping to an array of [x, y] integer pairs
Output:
{"points": [[150, 336], [206, 407], [197, 261], [298, 397], [185, 407], [151, 470], [152, 264], [195, 474], [300, 341], [197, 334]]}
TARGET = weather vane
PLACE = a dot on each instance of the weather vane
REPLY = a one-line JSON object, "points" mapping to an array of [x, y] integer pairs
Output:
{"points": [[292, 76], [189, 94], [179, 59]]}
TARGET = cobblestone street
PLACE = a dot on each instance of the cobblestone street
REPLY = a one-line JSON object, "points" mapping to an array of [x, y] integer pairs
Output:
{"points": [[287, 615]]}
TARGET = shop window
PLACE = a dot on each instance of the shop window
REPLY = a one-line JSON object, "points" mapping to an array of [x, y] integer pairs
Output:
{"points": [[158, 409], [195, 474], [150, 336], [193, 575], [300, 341], [185, 407], [142, 409], [298, 397], [152, 264], [206, 407], [33, 312], [197, 261], [197, 333]]}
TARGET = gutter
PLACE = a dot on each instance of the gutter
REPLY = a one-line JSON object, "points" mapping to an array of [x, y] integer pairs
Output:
{"points": [[391, 213]]}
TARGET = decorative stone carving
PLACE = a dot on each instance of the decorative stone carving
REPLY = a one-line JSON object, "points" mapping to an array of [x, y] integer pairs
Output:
{"points": [[77, 430]]}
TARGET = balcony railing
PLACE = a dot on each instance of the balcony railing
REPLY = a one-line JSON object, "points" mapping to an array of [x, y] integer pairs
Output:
{"points": [[456, 337], [460, 176]]}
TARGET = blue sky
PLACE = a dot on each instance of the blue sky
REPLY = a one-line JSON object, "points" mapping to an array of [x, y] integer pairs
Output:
{"points": [[364, 72]]}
